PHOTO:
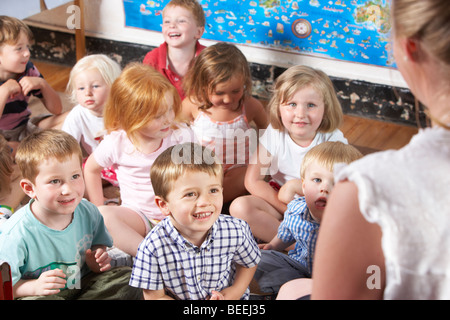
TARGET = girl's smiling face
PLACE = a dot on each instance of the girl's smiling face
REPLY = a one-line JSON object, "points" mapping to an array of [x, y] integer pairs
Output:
{"points": [[302, 115]]}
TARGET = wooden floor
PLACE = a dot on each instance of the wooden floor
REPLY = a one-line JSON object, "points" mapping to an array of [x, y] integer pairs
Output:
{"points": [[366, 134]]}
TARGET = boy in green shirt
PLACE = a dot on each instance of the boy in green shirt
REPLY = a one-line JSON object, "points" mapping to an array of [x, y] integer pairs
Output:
{"points": [[54, 242]]}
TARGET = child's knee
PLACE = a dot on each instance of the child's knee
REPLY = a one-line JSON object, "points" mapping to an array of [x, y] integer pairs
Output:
{"points": [[239, 207]]}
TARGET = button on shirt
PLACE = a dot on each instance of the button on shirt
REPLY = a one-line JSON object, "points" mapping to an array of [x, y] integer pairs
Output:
{"points": [[166, 260]]}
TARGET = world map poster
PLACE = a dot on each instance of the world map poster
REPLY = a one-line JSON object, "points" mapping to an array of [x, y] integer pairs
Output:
{"points": [[349, 30]]}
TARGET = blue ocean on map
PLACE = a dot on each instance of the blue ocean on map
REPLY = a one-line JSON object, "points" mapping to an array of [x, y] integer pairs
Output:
{"points": [[354, 31]]}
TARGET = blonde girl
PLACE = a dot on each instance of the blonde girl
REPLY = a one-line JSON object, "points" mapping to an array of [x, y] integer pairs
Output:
{"points": [[220, 108], [140, 118], [89, 84], [304, 111]]}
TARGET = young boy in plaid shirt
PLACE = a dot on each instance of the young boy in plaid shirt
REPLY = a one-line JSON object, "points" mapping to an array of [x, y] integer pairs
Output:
{"points": [[195, 253]]}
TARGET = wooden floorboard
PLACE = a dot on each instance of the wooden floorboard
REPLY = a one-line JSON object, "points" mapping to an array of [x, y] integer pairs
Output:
{"points": [[368, 135]]}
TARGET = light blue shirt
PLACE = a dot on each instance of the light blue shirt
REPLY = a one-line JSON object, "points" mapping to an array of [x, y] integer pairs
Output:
{"points": [[32, 248], [298, 225]]}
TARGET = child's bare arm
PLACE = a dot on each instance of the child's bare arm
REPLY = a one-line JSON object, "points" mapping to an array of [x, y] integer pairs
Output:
{"points": [[48, 283], [156, 295], [93, 180], [241, 282], [256, 112], [275, 244], [187, 109], [254, 179], [288, 191]]}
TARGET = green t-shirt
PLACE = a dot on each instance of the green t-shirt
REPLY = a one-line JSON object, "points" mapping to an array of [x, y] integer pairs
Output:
{"points": [[32, 248]]}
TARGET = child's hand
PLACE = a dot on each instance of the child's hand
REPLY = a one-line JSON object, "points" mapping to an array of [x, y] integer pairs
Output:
{"points": [[29, 84], [50, 282], [98, 260], [11, 88], [265, 246], [216, 295]]}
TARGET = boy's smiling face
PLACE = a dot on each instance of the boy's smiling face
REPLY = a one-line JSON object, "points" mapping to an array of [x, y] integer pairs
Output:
{"points": [[14, 57], [193, 204], [57, 190], [179, 27]]}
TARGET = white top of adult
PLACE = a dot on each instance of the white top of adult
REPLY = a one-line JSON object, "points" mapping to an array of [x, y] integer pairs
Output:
{"points": [[406, 192]]}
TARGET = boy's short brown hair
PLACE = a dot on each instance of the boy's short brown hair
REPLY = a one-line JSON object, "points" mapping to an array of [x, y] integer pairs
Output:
{"points": [[10, 29], [193, 6], [42, 145], [179, 159]]}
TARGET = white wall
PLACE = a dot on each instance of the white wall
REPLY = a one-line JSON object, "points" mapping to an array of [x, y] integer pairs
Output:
{"points": [[106, 19]]}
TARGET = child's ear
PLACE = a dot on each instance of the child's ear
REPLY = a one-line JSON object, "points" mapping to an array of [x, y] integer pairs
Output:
{"points": [[163, 205], [200, 31], [28, 188]]}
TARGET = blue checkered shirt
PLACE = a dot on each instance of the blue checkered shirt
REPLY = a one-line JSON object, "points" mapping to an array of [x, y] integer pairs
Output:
{"points": [[166, 260], [298, 225]]}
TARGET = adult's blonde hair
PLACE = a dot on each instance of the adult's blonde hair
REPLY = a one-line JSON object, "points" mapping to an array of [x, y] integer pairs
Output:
{"points": [[107, 67], [42, 145], [327, 154], [192, 6], [299, 77], [427, 21], [10, 29], [177, 160], [137, 97], [6, 166], [216, 64]]}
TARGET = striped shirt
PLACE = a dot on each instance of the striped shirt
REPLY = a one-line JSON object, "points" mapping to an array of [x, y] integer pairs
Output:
{"points": [[298, 225], [166, 260]]}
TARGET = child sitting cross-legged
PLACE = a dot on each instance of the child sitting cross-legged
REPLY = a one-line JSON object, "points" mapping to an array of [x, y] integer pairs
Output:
{"points": [[302, 218], [56, 244], [195, 253]]}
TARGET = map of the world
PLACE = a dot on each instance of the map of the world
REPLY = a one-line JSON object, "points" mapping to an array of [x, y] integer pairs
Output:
{"points": [[349, 30]]}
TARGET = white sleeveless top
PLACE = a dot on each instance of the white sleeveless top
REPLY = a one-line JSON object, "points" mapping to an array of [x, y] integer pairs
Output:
{"points": [[407, 193], [228, 139]]}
